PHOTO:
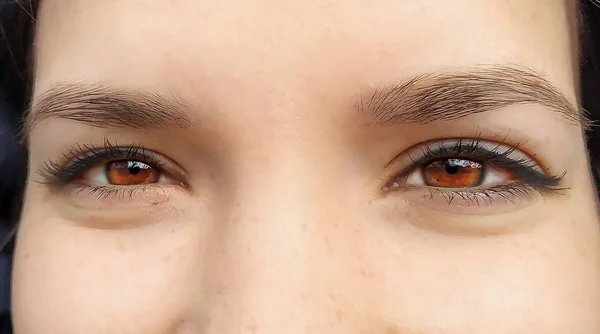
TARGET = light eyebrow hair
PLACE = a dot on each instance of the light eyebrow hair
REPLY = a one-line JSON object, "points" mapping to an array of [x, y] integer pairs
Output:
{"points": [[456, 94], [98, 105]]}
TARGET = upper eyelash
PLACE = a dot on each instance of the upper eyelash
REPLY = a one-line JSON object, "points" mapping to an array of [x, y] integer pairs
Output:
{"points": [[82, 156]]}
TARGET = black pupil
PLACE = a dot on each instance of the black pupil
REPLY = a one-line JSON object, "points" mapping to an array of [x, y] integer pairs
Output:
{"points": [[452, 167], [134, 167]]}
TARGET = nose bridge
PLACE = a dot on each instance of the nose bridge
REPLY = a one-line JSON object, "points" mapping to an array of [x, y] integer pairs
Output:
{"points": [[267, 241]]}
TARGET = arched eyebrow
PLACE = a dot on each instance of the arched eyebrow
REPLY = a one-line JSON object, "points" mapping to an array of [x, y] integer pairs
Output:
{"points": [[99, 105], [456, 94]]}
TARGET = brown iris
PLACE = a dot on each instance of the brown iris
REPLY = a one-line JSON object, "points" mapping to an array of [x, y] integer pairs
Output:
{"points": [[131, 173], [453, 173]]}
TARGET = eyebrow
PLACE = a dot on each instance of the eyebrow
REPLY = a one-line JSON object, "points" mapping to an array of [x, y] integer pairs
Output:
{"points": [[456, 94], [98, 105]]}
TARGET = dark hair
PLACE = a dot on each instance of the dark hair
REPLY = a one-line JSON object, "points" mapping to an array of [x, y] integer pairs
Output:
{"points": [[17, 29], [590, 78]]}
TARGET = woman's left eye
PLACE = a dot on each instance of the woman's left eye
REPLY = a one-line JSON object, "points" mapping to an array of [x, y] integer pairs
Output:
{"points": [[123, 173], [457, 173], [471, 168]]}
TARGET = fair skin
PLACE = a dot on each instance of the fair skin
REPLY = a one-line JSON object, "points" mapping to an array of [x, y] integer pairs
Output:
{"points": [[280, 198]]}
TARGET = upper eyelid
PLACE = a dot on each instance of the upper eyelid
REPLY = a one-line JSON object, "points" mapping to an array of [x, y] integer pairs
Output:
{"points": [[445, 147], [468, 148], [117, 152]]}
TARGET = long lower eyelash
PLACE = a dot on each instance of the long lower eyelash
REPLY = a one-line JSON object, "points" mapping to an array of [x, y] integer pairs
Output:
{"points": [[508, 192], [103, 192]]}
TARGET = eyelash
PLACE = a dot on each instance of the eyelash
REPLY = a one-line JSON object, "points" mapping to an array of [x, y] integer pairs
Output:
{"points": [[530, 177], [80, 158]]}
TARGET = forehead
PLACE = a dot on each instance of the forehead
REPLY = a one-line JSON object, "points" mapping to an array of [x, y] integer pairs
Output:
{"points": [[268, 50]]}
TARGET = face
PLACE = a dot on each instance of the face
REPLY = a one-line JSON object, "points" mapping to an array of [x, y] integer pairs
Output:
{"points": [[307, 167]]}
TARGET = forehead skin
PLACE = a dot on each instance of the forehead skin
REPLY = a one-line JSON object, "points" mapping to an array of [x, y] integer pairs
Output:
{"points": [[277, 79]]}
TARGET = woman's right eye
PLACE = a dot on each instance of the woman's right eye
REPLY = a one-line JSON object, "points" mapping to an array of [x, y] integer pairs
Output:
{"points": [[112, 176], [112, 167]]}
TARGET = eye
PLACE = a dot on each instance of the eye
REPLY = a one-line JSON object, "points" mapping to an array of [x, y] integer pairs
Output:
{"points": [[469, 166], [112, 167], [112, 177], [457, 173], [123, 173]]}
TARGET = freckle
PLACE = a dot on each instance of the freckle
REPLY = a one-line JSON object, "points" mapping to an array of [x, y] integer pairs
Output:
{"points": [[26, 256], [339, 315], [221, 288], [363, 273], [167, 258], [328, 243], [155, 203], [304, 227]]}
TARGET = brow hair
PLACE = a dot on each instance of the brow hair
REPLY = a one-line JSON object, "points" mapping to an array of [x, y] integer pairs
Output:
{"points": [[456, 94], [97, 105]]}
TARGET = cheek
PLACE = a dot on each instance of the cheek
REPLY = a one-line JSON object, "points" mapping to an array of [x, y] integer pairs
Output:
{"points": [[542, 281], [137, 280]]}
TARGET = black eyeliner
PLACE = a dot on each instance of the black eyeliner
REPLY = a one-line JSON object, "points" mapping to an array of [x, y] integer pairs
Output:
{"points": [[525, 170]]}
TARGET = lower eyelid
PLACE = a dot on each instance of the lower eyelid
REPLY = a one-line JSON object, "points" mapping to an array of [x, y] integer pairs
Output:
{"points": [[109, 197], [503, 197]]}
